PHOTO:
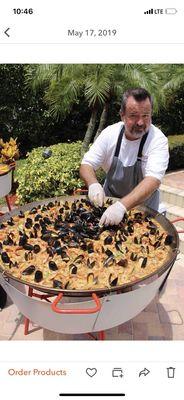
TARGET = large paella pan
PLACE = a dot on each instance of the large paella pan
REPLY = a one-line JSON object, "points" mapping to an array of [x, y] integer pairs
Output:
{"points": [[57, 245]]}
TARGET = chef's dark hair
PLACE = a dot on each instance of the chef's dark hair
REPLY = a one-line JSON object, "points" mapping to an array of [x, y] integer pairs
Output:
{"points": [[138, 94]]}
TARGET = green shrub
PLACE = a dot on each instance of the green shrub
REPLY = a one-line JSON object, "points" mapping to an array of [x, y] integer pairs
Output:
{"points": [[176, 147], [40, 178]]}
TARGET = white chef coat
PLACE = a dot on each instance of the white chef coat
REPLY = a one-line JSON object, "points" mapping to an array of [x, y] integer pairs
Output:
{"points": [[155, 154]]}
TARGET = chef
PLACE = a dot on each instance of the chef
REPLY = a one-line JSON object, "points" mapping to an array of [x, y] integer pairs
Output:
{"points": [[133, 153]]}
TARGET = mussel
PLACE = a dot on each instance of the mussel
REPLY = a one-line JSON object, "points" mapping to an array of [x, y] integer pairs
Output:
{"points": [[90, 264], [109, 261], [73, 269], [108, 240], [38, 276], [91, 279], [133, 256], [123, 262], [144, 262], [113, 280], [79, 258], [28, 256], [168, 240], [28, 246], [5, 257], [36, 248], [53, 266], [29, 270], [57, 284]]}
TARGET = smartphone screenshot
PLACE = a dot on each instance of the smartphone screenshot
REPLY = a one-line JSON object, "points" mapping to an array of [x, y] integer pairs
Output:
{"points": [[91, 200]]}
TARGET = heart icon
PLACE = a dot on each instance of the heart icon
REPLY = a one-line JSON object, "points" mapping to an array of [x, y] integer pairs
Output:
{"points": [[91, 372]]}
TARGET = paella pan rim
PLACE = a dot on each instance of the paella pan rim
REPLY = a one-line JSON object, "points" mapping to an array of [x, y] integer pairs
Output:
{"points": [[165, 223]]}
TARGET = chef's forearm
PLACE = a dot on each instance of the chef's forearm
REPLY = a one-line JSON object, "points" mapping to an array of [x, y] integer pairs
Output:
{"points": [[141, 192], [88, 175]]}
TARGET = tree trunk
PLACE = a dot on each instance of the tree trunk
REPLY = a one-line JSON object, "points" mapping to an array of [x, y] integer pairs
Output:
{"points": [[103, 120], [89, 132]]}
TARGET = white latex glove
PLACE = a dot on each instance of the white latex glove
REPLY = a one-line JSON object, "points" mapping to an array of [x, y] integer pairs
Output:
{"points": [[96, 194], [113, 215]]}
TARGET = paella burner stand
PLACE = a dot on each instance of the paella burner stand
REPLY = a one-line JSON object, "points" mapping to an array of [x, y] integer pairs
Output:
{"points": [[100, 335]]}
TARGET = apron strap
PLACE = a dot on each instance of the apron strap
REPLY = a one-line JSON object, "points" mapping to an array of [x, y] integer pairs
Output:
{"points": [[141, 146], [116, 154]]}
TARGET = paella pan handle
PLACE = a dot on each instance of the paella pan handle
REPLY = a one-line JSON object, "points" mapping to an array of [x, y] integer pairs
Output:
{"points": [[77, 310], [80, 191], [177, 220]]}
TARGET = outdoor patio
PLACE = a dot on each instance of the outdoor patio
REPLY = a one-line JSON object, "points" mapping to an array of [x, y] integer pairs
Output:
{"points": [[163, 319]]}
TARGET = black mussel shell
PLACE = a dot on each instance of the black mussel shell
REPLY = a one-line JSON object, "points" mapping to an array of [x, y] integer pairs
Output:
{"points": [[5, 257], [90, 264], [36, 248], [57, 243], [51, 251], [37, 217], [28, 247], [23, 239], [157, 244], [118, 246], [8, 241], [79, 258], [123, 262], [21, 214], [133, 256], [136, 241], [109, 261], [168, 240], [59, 250], [90, 248], [83, 246], [10, 222], [57, 284], [50, 205], [144, 262], [130, 229], [108, 252], [53, 266], [73, 269], [65, 257], [108, 240], [38, 276], [28, 256], [2, 226], [33, 210], [29, 270], [47, 220], [113, 281]]}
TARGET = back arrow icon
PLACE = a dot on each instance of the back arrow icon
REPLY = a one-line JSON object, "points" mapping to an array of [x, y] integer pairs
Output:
{"points": [[6, 32]]}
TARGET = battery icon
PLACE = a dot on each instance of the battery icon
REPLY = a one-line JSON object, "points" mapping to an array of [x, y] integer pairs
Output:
{"points": [[170, 11]]}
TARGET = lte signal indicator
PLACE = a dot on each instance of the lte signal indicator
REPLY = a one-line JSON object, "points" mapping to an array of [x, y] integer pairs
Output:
{"points": [[149, 11]]}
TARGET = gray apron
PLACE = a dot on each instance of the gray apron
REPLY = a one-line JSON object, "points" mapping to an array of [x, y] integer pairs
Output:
{"points": [[122, 180]]}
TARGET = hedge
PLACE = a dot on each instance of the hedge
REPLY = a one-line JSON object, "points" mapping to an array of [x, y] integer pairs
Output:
{"points": [[58, 175], [176, 147]]}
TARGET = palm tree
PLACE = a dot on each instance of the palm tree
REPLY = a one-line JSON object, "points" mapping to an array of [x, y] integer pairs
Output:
{"points": [[63, 84]]}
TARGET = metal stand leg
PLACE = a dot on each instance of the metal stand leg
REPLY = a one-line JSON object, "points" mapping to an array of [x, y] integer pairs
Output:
{"points": [[101, 335], [26, 320], [165, 280]]}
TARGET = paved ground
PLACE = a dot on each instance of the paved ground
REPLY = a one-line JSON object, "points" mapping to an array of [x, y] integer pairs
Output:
{"points": [[174, 179], [163, 319]]}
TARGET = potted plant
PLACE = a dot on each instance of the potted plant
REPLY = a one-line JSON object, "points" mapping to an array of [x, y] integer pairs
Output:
{"points": [[8, 154]]}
